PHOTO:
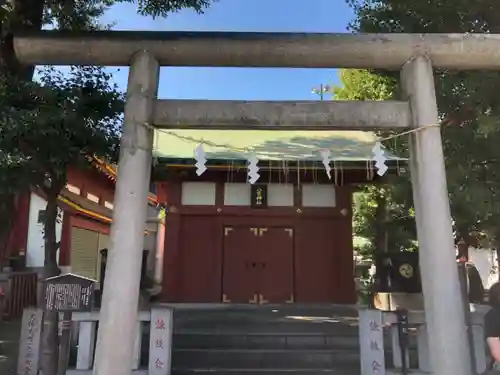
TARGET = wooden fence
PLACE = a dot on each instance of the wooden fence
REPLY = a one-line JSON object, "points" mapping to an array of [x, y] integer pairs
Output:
{"points": [[21, 293]]}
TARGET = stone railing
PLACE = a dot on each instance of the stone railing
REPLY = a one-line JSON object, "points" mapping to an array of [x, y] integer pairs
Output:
{"points": [[156, 358], [373, 326], [159, 321]]}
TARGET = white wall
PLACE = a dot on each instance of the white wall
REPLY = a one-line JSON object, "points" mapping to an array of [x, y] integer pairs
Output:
{"points": [[314, 195], [485, 261], [239, 194], [198, 193], [35, 252]]}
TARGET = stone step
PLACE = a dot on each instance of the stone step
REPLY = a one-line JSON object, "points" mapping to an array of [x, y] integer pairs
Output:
{"points": [[337, 329], [285, 360], [264, 314], [266, 341], [262, 320], [291, 319], [192, 339], [8, 356], [265, 359], [288, 309], [214, 371], [208, 340], [9, 346]]}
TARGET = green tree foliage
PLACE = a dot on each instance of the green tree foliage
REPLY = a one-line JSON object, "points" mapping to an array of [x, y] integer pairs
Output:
{"points": [[383, 214], [44, 128], [23, 15], [32, 15], [161, 8], [361, 84], [468, 103]]}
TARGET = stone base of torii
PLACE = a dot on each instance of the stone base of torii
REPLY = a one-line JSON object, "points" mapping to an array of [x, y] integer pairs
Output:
{"points": [[414, 55]]}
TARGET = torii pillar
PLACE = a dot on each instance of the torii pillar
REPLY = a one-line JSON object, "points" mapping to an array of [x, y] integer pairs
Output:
{"points": [[119, 313], [449, 353]]}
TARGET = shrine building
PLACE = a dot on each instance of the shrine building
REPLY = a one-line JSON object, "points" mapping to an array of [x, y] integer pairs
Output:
{"points": [[285, 239]]}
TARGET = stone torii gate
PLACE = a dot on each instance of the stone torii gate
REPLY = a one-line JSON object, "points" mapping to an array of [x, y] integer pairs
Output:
{"points": [[145, 52]]}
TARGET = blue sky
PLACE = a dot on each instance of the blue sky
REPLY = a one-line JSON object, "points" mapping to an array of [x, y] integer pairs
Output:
{"points": [[241, 15]]}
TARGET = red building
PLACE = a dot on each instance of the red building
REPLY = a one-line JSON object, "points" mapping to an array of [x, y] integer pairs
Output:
{"points": [[83, 229], [286, 239], [86, 203]]}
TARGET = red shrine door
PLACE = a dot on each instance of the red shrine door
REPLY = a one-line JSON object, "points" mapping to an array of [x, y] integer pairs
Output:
{"points": [[258, 265], [275, 247], [238, 279]]}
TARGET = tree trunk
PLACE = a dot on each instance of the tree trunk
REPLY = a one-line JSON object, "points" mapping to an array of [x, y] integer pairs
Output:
{"points": [[7, 212], [497, 251], [463, 241], [463, 250], [50, 339], [381, 222], [26, 15]]}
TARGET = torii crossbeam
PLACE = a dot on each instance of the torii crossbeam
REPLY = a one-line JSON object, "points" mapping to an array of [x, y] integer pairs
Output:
{"points": [[414, 54]]}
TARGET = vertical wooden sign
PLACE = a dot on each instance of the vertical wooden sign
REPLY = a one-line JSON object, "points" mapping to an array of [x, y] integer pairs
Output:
{"points": [[258, 198]]}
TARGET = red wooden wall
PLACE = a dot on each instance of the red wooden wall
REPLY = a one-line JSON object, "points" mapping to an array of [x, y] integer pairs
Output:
{"points": [[88, 181], [16, 240], [93, 182], [323, 247]]}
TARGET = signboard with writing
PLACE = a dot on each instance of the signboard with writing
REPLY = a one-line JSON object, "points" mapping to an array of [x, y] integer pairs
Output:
{"points": [[258, 196], [69, 292], [29, 344], [160, 344], [371, 342]]}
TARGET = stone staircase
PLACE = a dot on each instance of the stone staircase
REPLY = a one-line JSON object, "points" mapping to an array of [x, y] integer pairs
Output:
{"points": [[266, 340], [9, 346]]}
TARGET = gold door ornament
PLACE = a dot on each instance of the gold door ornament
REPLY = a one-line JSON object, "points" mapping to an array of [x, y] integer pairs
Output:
{"points": [[259, 196], [255, 299], [262, 231], [225, 299], [406, 270], [262, 300]]}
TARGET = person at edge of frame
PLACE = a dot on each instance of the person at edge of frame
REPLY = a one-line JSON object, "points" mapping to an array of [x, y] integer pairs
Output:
{"points": [[492, 330]]}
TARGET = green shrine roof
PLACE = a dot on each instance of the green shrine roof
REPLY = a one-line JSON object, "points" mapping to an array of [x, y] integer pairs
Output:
{"points": [[270, 145]]}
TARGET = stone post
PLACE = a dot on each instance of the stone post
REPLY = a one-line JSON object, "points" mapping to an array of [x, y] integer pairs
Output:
{"points": [[119, 311], [444, 314]]}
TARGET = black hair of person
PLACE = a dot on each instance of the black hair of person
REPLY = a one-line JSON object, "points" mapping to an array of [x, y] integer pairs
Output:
{"points": [[494, 295]]}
